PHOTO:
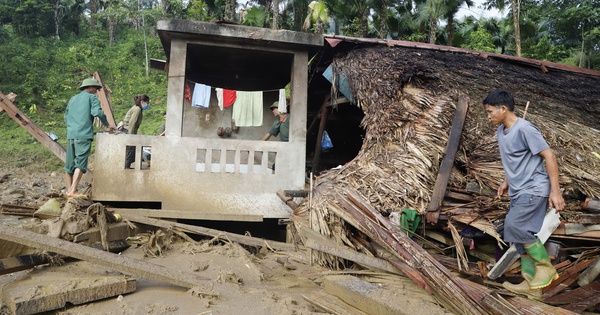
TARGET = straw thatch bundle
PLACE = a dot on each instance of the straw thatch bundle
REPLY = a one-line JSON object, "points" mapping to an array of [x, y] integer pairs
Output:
{"points": [[408, 97]]}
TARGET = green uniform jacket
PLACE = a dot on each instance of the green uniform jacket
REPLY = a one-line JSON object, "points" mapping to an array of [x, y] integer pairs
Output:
{"points": [[282, 129], [133, 120], [80, 113]]}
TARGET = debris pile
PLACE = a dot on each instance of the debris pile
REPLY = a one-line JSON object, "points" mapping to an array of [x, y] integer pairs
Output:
{"points": [[409, 97]]}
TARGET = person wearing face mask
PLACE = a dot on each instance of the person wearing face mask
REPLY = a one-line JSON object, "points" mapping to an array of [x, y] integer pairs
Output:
{"points": [[132, 122]]}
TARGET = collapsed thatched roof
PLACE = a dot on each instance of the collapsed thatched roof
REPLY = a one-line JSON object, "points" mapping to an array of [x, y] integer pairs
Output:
{"points": [[408, 94], [408, 98]]}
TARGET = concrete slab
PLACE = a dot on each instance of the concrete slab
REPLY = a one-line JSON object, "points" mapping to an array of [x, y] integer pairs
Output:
{"points": [[383, 299], [52, 288]]}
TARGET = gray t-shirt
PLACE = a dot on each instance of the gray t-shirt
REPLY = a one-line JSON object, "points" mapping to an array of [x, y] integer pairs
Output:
{"points": [[524, 167]]}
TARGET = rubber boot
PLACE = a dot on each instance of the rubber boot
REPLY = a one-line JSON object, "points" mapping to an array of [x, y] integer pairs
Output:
{"points": [[545, 272], [528, 273]]}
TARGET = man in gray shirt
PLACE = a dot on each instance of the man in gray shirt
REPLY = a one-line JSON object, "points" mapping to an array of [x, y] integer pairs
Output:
{"points": [[531, 180]]}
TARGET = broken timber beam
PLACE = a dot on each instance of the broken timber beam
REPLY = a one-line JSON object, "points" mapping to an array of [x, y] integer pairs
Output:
{"points": [[31, 127], [565, 279], [319, 242], [449, 288], [242, 239], [289, 201], [118, 262], [439, 190], [590, 274], [586, 218], [187, 215], [580, 299], [104, 98]]}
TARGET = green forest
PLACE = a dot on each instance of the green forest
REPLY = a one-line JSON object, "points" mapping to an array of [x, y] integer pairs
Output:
{"points": [[49, 46]]}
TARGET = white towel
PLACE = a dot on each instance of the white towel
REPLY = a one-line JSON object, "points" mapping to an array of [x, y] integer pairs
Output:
{"points": [[219, 92], [282, 102], [248, 109], [201, 97]]}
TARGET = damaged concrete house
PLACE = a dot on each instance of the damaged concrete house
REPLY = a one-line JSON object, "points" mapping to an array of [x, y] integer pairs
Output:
{"points": [[414, 163]]}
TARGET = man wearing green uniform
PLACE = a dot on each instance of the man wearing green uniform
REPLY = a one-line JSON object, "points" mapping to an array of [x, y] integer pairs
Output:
{"points": [[79, 119], [280, 127]]}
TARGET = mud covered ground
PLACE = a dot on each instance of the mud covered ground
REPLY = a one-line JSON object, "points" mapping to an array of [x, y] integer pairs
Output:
{"points": [[241, 280]]}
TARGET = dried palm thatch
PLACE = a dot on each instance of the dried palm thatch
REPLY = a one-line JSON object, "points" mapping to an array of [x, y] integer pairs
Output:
{"points": [[408, 96]]}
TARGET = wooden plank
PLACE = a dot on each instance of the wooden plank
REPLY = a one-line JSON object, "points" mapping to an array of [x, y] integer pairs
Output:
{"points": [[562, 232], [316, 241], [289, 201], [586, 218], [22, 262], [590, 274], [578, 229], [105, 102], [433, 208], [296, 193], [374, 299], [187, 215], [31, 127], [449, 288], [242, 239], [118, 262], [565, 279], [580, 299], [331, 304]]}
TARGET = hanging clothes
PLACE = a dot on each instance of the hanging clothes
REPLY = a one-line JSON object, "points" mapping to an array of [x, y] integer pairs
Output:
{"points": [[225, 98], [248, 109], [201, 96], [282, 102]]}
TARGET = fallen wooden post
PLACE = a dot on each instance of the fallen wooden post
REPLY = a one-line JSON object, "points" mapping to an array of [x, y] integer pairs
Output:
{"points": [[31, 127], [433, 208], [331, 304], [296, 193], [187, 215], [22, 262], [565, 279], [580, 299], [590, 274], [447, 286], [104, 98], [118, 262], [289, 201], [242, 239], [318, 242], [586, 218]]}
